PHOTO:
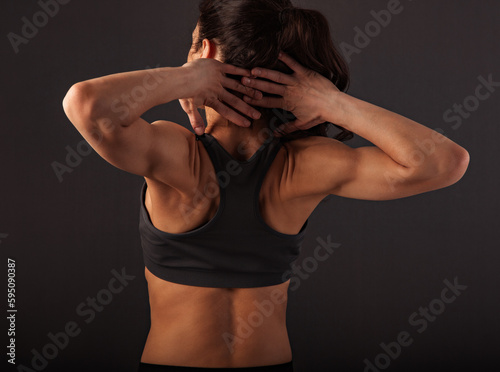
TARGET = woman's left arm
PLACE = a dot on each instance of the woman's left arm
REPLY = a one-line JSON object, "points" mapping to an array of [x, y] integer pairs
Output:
{"points": [[107, 112], [408, 158]]}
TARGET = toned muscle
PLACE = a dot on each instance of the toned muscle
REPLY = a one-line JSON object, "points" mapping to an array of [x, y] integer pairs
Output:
{"points": [[220, 327], [212, 327], [184, 209]]}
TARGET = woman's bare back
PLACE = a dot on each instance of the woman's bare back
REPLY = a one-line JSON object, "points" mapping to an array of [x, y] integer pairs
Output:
{"points": [[220, 327]]}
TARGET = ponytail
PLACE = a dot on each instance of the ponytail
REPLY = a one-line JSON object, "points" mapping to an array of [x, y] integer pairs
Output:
{"points": [[252, 33], [305, 36]]}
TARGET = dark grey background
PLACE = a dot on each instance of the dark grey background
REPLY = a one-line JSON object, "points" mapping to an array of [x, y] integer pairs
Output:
{"points": [[394, 256]]}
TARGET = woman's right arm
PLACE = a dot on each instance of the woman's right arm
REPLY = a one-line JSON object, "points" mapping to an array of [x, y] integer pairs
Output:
{"points": [[107, 112], [407, 159]]}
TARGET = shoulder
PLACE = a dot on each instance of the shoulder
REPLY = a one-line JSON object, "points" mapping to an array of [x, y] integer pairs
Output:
{"points": [[314, 148], [169, 127], [177, 154], [313, 166], [309, 141]]}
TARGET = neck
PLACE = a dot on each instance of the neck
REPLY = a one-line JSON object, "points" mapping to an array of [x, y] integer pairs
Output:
{"points": [[238, 141]]}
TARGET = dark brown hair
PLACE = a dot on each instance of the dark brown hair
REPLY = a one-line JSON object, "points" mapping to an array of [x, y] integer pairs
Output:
{"points": [[251, 33]]}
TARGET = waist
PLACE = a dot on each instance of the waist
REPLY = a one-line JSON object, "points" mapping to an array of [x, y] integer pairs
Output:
{"points": [[216, 327]]}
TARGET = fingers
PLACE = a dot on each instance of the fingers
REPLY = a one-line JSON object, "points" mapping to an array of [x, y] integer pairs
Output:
{"points": [[194, 116], [197, 122], [239, 105], [238, 87], [292, 63], [229, 114], [264, 86], [195, 119], [266, 102], [275, 76], [233, 70], [285, 129]]}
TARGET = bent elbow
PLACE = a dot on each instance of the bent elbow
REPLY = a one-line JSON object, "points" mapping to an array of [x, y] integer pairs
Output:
{"points": [[458, 166], [79, 104], [447, 170], [451, 169]]}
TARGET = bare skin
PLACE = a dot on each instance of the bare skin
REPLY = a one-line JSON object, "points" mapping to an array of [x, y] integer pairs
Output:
{"points": [[188, 323]]}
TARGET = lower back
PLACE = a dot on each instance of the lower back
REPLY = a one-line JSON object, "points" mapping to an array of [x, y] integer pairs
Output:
{"points": [[216, 327]]}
